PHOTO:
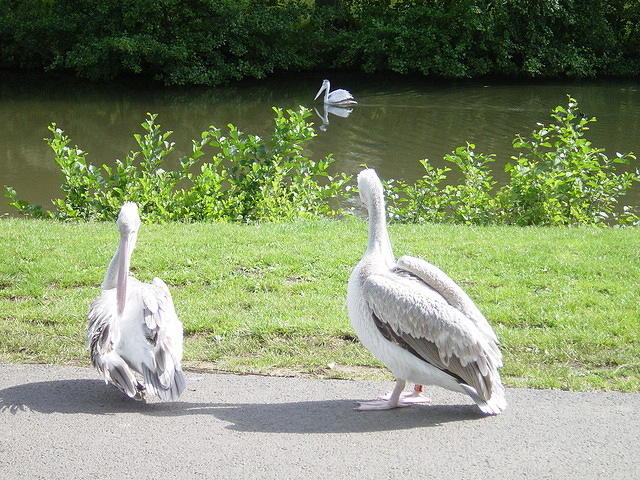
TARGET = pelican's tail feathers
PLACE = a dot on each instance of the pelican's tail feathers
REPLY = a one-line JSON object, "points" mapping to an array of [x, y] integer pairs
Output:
{"points": [[496, 404], [170, 392], [179, 383], [116, 371]]}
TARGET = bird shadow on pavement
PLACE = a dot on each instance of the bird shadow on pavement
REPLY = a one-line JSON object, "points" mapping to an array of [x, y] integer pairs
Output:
{"points": [[67, 396], [337, 416], [88, 396]]}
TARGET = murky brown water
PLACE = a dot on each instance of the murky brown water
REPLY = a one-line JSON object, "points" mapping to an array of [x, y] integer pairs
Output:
{"points": [[397, 121]]}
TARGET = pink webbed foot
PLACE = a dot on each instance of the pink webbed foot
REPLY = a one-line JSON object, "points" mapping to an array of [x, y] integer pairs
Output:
{"points": [[396, 398], [379, 404]]}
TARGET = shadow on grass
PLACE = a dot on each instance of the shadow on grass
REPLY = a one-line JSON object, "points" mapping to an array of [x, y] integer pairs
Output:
{"points": [[84, 396]]}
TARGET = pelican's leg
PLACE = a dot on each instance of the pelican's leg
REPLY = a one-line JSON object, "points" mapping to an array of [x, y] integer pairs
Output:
{"points": [[386, 404], [415, 396]]}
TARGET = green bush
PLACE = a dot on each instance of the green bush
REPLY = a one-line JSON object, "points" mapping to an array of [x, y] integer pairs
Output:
{"points": [[247, 178], [427, 201], [559, 178]]}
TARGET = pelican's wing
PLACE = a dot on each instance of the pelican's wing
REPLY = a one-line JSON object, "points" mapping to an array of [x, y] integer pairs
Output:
{"points": [[102, 332], [450, 291], [416, 317], [341, 96], [164, 333]]}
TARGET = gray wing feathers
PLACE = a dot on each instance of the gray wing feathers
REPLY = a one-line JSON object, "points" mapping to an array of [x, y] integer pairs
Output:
{"points": [[492, 406], [469, 374], [424, 323], [119, 374], [450, 290], [408, 309], [170, 391], [100, 339], [165, 334], [340, 95], [98, 329], [427, 351]]}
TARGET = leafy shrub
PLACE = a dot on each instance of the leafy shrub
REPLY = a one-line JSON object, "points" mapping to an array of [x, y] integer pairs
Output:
{"points": [[559, 179], [471, 201], [247, 179], [424, 201], [427, 201]]}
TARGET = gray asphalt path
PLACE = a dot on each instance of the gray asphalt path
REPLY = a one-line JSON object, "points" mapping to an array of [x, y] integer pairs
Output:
{"points": [[63, 422]]}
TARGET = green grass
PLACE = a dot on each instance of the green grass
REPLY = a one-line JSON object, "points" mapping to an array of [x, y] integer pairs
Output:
{"points": [[270, 298]]}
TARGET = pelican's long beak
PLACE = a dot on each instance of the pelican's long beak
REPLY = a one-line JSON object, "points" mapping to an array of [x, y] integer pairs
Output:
{"points": [[125, 248], [320, 91]]}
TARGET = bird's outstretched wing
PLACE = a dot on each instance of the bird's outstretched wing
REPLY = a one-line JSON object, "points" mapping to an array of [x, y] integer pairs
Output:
{"points": [[163, 330], [418, 318], [102, 333]]}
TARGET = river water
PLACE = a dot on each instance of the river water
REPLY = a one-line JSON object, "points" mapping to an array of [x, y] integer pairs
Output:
{"points": [[397, 122]]}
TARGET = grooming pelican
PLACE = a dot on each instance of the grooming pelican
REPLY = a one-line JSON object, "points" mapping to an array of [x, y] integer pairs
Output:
{"points": [[418, 321], [133, 327]]}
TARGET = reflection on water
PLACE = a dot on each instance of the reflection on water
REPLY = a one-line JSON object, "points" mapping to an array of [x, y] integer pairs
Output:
{"points": [[330, 109], [396, 123]]}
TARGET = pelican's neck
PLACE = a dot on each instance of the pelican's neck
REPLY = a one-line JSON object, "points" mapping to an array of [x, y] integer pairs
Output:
{"points": [[123, 250], [326, 93], [127, 242], [110, 278], [379, 243]]}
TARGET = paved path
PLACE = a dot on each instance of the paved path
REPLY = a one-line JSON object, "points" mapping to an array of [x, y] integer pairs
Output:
{"points": [[64, 423]]}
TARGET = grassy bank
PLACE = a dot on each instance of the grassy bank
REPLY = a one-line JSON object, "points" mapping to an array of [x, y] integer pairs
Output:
{"points": [[271, 298]]}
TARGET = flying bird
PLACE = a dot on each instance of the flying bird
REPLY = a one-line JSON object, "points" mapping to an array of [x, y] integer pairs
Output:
{"points": [[418, 321], [133, 328], [338, 98]]}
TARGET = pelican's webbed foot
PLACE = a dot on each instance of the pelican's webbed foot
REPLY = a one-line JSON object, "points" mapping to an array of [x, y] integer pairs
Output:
{"points": [[379, 404], [395, 399]]}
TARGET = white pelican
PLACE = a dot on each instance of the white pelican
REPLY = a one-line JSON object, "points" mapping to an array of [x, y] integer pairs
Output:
{"points": [[418, 321], [133, 326], [339, 98]]}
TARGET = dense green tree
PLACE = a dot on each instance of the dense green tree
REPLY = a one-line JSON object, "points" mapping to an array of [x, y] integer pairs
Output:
{"points": [[210, 42]]}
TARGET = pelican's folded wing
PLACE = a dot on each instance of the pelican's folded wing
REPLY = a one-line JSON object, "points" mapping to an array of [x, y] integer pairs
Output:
{"points": [[412, 315], [341, 96], [164, 332], [450, 290], [100, 336], [102, 333]]}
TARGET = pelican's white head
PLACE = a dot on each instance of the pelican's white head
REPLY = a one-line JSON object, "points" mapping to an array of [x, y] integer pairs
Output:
{"points": [[369, 186], [325, 85], [128, 218]]}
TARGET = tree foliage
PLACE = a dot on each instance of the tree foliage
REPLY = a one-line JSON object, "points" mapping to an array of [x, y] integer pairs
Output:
{"points": [[208, 42]]}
